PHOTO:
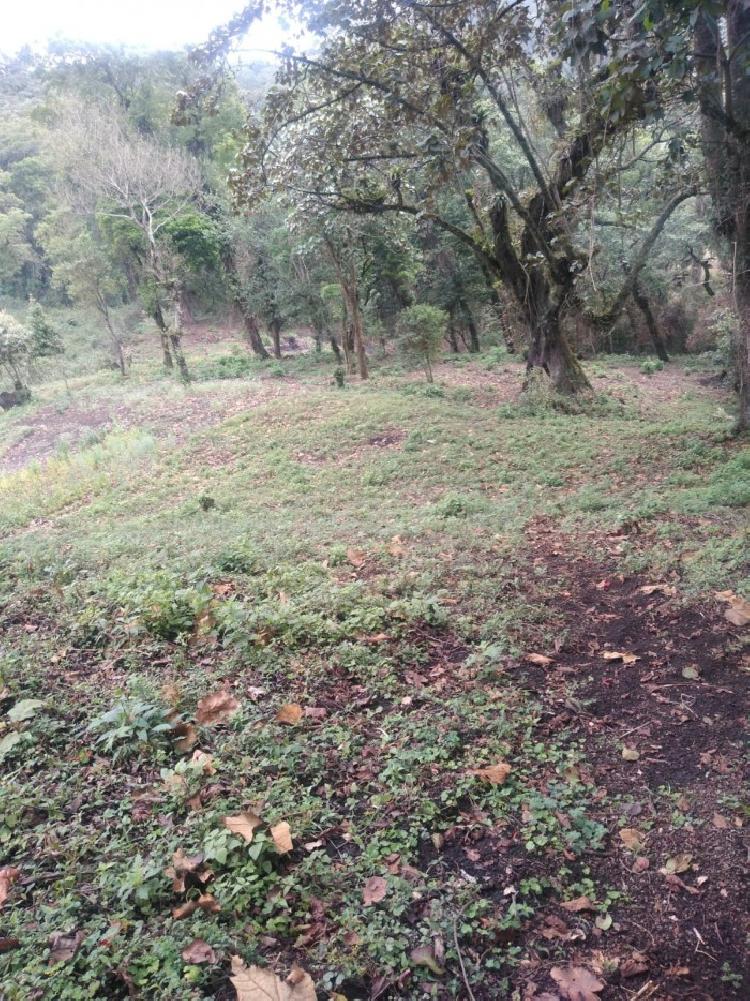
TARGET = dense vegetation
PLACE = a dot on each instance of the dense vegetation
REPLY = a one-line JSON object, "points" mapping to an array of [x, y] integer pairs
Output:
{"points": [[374, 578]]}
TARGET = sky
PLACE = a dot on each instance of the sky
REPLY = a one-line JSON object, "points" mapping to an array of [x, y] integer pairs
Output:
{"points": [[148, 24]]}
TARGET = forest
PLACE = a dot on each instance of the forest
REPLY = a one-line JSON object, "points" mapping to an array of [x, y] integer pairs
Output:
{"points": [[374, 487]]}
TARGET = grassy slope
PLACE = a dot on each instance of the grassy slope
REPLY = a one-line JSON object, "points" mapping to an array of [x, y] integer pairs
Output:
{"points": [[385, 558]]}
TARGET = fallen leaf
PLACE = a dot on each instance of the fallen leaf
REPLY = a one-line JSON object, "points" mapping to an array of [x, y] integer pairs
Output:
{"points": [[8, 876], [63, 947], [631, 838], [198, 952], [630, 754], [577, 983], [720, 822], [208, 902], [357, 557], [186, 737], [691, 672], [25, 709], [636, 965], [579, 904], [641, 864], [243, 824], [374, 890], [603, 922], [624, 656], [184, 910], [315, 712], [677, 971], [494, 774], [8, 742], [678, 863], [738, 612], [290, 714], [199, 759], [8, 944], [424, 956], [653, 588], [254, 983], [282, 837], [538, 658], [216, 708]]}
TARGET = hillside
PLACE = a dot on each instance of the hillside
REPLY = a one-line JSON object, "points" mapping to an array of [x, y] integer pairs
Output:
{"points": [[432, 691]]}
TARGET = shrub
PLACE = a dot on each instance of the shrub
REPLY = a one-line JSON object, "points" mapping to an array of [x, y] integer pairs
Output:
{"points": [[420, 333]]}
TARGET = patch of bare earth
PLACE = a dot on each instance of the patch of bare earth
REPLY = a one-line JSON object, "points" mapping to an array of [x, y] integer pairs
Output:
{"points": [[176, 417], [657, 689]]}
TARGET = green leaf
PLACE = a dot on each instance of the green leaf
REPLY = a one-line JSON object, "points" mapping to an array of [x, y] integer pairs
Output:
{"points": [[8, 743], [25, 709]]}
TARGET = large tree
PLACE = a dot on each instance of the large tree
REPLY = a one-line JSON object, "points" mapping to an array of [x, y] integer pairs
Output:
{"points": [[407, 100]]}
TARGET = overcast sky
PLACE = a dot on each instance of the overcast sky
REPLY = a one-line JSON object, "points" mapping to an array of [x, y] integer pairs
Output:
{"points": [[151, 24]]}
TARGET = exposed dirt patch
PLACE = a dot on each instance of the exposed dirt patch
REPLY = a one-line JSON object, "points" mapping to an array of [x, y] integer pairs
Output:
{"points": [[676, 703]]}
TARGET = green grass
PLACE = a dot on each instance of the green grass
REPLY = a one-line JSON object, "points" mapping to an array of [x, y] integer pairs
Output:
{"points": [[366, 557]]}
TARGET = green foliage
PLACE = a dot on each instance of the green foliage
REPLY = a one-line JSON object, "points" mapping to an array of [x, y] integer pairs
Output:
{"points": [[45, 339], [420, 333], [132, 727], [16, 349], [651, 365]]}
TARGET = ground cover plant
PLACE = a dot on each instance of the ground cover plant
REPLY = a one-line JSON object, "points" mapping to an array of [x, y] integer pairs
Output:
{"points": [[431, 696]]}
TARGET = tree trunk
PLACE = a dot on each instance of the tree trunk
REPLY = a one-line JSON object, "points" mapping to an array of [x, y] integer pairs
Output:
{"points": [[474, 346], [551, 352], [428, 368], [334, 346], [252, 332], [158, 316], [275, 327], [451, 331], [175, 339], [641, 300]]}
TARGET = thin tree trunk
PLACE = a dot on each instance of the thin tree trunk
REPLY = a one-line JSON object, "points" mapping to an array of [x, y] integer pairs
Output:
{"points": [[428, 368], [474, 346], [175, 339], [167, 360], [275, 327], [252, 332], [641, 300], [334, 345], [451, 333]]}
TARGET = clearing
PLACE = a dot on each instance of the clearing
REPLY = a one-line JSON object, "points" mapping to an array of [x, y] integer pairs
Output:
{"points": [[471, 652]]}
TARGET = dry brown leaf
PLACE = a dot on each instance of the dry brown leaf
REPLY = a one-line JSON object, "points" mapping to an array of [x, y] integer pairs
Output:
{"points": [[678, 863], [186, 737], [9, 944], [579, 904], [641, 864], [374, 890], [423, 955], [254, 983], [738, 612], [8, 876], [203, 761], [216, 708], [208, 902], [577, 983], [631, 838], [625, 656], [634, 966], [538, 658], [198, 952], [184, 910], [290, 714], [282, 837], [653, 588], [721, 823], [357, 557], [243, 824], [494, 774], [630, 754], [63, 947]]}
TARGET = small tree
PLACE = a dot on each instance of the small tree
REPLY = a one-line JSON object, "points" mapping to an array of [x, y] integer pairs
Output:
{"points": [[45, 340], [15, 350], [421, 329]]}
